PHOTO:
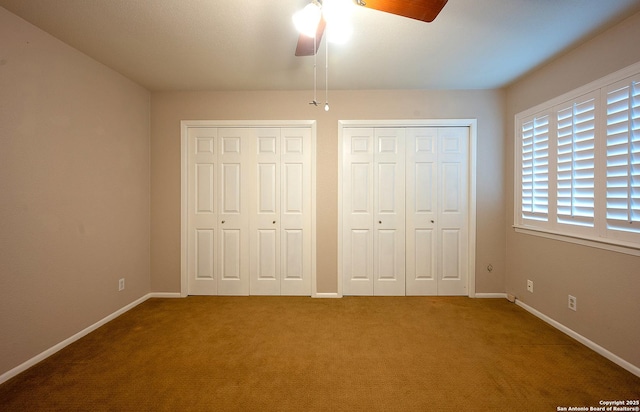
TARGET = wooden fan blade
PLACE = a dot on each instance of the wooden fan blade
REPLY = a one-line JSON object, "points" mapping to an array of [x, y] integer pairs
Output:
{"points": [[305, 43], [423, 10]]}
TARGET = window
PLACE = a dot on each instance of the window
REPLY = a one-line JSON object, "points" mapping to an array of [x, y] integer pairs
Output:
{"points": [[575, 157], [578, 163], [535, 168], [623, 157]]}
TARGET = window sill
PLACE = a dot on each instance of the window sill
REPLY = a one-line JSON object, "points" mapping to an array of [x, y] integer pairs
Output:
{"points": [[614, 246]]}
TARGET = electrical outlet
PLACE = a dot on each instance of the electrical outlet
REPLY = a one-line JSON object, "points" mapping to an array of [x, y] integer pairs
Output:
{"points": [[121, 284], [530, 285], [573, 303]]}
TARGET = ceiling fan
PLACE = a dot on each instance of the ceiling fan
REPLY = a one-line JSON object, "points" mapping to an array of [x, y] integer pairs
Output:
{"points": [[423, 10]]}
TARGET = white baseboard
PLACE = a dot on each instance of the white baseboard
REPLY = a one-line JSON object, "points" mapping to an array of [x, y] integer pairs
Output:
{"points": [[165, 295], [477, 295], [42, 356], [327, 295], [491, 295], [588, 343]]}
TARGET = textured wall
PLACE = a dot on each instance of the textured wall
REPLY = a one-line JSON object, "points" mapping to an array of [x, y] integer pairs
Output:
{"points": [[74, 191]]}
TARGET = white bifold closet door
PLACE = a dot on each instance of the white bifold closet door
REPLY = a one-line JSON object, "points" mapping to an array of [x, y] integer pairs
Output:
{"points": [[373, 213], [437, 211], [280, 219], [218, 233], [405, 211], [249, 220]]}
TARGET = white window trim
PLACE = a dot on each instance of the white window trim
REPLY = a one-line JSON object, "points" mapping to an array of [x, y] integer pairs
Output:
{"points": [[599, 243], [553, 230]]}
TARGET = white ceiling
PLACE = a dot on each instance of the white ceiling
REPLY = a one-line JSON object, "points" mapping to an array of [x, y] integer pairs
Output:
{"points": [[249, 45]]}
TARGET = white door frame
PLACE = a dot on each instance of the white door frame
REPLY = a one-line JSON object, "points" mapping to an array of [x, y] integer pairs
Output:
{"points": [[472, 124], [184, 126]]}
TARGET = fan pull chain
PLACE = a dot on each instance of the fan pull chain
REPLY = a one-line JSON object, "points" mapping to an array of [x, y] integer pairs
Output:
{"points": [[326, 75]]}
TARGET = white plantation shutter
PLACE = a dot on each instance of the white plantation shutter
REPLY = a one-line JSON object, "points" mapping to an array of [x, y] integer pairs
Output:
{"points": [[535, 168], [578, 165], [623, 158], [575, 178]]}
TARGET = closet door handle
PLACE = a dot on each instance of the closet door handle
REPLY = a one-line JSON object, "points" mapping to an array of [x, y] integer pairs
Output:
{"points": [[380, 221], [223, 222], [274, 222], [433, 221]]}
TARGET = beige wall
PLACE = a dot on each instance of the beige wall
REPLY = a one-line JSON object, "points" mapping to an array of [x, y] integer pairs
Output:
{"points": [[74, 191], [605, 283], [168, 109]]}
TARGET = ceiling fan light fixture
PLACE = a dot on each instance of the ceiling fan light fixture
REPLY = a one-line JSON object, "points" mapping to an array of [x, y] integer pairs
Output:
{"points": [[306, 20], [337, 14], [334, 10], [339, 31]]}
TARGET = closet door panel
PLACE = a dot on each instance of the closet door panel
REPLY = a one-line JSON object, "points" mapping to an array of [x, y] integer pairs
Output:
{"points": [[386, 260], [202, 227], [358, 211], [389, 209], [233, 218], [453, 210], [265, 216], [293, 268], [422, 170], [423, 263], [358, 260], [231, 191], [204, 246], [450, 257], [231, 253], [267, 255], [295, 214]]}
